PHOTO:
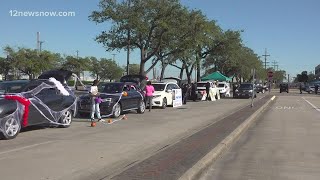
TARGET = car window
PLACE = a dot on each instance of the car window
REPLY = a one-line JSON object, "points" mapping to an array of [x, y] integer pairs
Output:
{"points": [[169, 87], [246, 86], [112, 88], [220, 85], [11, 87], [174, 86], [159, 87]]}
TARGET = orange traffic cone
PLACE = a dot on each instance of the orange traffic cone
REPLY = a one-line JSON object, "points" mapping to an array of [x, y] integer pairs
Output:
{"points": [[93, 124]]}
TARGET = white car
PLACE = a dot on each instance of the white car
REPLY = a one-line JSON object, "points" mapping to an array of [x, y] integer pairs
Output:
{"points": [[163, 95], [224, 88]]}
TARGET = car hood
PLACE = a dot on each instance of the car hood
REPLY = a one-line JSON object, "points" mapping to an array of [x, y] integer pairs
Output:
{"points": [[158, 93]]}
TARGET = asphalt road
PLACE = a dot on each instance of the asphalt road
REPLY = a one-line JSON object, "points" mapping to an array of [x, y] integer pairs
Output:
{"points": [[84, 152], [282, 144]]}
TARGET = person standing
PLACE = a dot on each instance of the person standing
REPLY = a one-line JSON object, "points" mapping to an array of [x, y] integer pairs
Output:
{"points": [[95, 100], [208, 90], [300, 87], [194, 91], [149, 94], [316, 88]]}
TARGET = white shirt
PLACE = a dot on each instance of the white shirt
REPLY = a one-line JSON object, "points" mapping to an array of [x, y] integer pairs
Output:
{"points": [[94, 90]]}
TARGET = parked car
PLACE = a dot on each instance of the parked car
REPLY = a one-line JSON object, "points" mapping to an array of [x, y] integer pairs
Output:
{"points": [[284, 87], [260, 88], [117, 97], [50, 104], [245, 90], [223, 88], [201, 86], [12, 86], [163, 95]]}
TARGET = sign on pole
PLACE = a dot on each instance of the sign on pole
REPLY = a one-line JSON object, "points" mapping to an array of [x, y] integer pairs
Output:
{"points": [[177, 97]]}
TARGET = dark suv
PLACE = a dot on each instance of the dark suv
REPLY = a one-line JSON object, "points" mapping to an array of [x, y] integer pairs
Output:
{"points": [[284, 88]]}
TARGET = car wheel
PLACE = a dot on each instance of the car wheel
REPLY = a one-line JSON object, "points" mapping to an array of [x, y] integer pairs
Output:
{"points": [[164, 103], [142, 107], [117, 110], [12, 128], [66, 119]]}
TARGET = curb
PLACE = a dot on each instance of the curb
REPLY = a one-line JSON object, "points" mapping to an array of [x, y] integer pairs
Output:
{"points": [[196, 171]]}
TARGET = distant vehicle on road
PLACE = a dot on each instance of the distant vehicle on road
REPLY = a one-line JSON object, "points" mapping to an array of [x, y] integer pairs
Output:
{"points": [[284, 87], [260, 88], [245, 90]]}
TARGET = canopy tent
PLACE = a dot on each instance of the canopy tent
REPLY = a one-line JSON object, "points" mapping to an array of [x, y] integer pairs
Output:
{"points": [[216, 76]]}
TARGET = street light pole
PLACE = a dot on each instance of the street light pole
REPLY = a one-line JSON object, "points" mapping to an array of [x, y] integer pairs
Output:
{"points": [[128, 47]]}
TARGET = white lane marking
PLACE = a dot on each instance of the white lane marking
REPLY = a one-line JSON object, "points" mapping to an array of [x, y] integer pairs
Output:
{"points": [[25, 147], [315, 107], [273, 98]]}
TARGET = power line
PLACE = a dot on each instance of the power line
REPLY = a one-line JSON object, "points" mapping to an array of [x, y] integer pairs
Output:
{"points": [[274, 64], [265, 58]]}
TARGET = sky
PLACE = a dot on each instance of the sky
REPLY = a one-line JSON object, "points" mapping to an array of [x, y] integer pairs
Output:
{"points": [[288, 29]]}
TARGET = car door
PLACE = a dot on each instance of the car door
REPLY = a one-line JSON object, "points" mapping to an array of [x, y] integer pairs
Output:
{"points": [[52, 98], [169, 93], [125, 100], [136, 96]]}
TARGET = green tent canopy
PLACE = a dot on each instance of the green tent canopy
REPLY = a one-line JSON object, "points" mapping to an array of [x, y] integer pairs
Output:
{"points": [[216, 76]]}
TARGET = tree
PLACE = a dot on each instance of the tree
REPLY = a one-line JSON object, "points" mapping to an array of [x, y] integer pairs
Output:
{"points": [[134, 69], [76, 65], [109, 70], [5, 67], [151, 25]]}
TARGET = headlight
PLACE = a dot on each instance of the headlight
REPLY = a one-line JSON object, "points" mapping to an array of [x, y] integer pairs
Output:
{"points": [[107, 100], [250, 91], [156, 96], [237, 90]]}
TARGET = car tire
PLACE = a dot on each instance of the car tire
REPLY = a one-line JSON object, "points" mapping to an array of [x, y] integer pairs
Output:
{"points": [[164, 103], [12, 127], [142, 107], [117, 110], [66, 119]]}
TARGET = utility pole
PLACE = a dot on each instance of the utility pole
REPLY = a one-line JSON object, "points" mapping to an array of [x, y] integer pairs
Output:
{"points": [[274, 64], [38, 42], [128, 47], [288, 78], [265, 58], [41, 45], [77, 54]]}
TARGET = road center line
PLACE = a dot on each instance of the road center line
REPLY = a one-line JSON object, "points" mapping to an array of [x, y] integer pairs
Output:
{"points": [[25, 147], [315, 107]]}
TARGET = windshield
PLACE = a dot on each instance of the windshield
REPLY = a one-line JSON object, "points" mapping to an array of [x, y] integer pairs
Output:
{"points": [[220, 85], [159, 87], [110, 88], [12, 87], [201, 84], [245, 86]]}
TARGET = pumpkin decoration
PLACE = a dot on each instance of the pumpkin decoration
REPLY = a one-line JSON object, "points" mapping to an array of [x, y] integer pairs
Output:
{"points": [[125, 93], [109, 121], [93, 124]]}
